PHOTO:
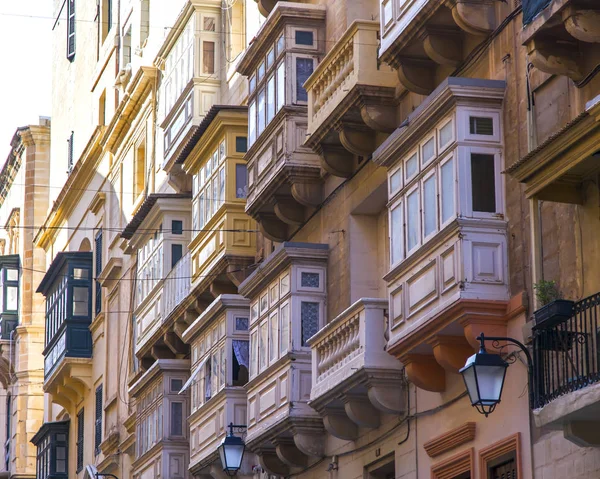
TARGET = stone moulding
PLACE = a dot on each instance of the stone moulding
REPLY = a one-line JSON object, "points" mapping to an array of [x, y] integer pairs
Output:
{"points": [[451, 439]]}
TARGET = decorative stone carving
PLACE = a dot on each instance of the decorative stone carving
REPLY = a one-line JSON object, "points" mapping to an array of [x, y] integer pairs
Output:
{"points": [[271, 463], [289, 454], [338, 424], [272, 227], [361, 411], [378, 117], [582, 24], [451, 352], [387, 396], [336, 160], [476, 17], [310, 438], [417, 75], [450, 440], [289, 211], [358, 141], [443, 46], [307, 194], [554, 58], [425, 372]]}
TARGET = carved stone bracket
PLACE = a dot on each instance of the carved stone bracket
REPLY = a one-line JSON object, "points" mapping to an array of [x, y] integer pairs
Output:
{"points": [[288, 210], [271, 463], [358, 141], [443, 46], [289, 454], [417, 75], [554, 58], [338, 424], [360, 410], [336, 160], [265, 6], [451, 352], [424, 371], [387, 394], [584, 25], [378, 116], [310, 439], [476, 17], [307, 194], [272, 227]]}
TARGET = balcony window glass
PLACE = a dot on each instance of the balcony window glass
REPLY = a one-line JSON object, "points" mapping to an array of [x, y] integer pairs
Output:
{"points": [[150, 417], [445, 134], [270, 57], [209, 24], [395, 181], [309, 319], [284, 337], [261, 111], [428, 151], [304, 69], [429, 206], [260, 73], [280, 44], [270, 98], [149, 266], [241, 144], [241, 181], [387, 13], [396, 233], [252, 84], [208, 57], [177, 227], [280, 86], [412, 165], [179, 67], [483, 183], [80, 301], [176, 419], [263, 345], [252, 122], [304, 37], [254, 354], [447, 200], [176, 254], [273, 337], [52, 450], [412, 220]]}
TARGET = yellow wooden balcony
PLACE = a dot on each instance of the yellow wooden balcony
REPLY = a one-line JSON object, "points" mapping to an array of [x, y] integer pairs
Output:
{"points": [[350, 97]]}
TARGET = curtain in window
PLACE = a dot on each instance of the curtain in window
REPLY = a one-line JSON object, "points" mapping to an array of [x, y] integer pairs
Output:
{"points": [[241, 349]]}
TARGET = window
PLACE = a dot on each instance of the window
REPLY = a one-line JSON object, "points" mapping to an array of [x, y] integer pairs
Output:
{"points": [[9, 285], [502, 459], [144, 21], [481, 125], [71, 29], [208, 57], [80, 438], [177, 227], [412, 220], [139, 173], [179, 66], [209, 188], [304, 37], [396, 227], [106, 17], [483, 183], [241, 181], [429, 206], [447, 187], [98, 250], [70, 152], [176, 254], [240, 351], [241, 144], [384, 469], [150, 417], [208, 24], [284, 337], [304, 68], [459, 466], [309, 318], [149, 266], [176, 419], [98, 421]]}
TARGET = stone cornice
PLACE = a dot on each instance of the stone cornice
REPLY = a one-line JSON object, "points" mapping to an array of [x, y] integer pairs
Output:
{"points": [[282, 13], [450, 440], [452, 92], [220, 304], [286, 254]]}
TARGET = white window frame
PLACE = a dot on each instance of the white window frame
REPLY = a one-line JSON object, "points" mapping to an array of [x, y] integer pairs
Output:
{"points": [[397, 169], [407, 251], [442, 124], [421, 158], [293, 80], [407, 179], [397, 204], [465, 154], [481, 113], [314, 46], [437, 211], [449, 158]]}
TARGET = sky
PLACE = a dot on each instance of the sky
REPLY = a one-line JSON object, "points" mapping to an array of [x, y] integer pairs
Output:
{"points": [[25, 79]]}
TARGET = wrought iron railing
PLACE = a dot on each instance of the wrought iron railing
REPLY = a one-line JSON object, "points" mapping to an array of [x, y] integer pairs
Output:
{"points": [[566, 355]]}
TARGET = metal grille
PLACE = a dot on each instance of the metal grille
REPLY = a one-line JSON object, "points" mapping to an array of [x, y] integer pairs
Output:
{"points": [[80, 432], [98, 271], [566, 354], [71, 30]]}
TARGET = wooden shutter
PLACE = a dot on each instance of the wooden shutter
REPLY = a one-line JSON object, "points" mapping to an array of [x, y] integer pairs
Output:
{"points": [[98, 248], [80, 435], [71, 29], [98, 422]]}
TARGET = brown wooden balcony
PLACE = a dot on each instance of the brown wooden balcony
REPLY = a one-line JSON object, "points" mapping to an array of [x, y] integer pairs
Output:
{"points": [[562, 37], [425, 40], [353, 377], [350, 98]]}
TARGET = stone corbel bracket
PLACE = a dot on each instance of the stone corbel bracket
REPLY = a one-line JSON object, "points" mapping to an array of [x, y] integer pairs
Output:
{"points": [[476, 17]]}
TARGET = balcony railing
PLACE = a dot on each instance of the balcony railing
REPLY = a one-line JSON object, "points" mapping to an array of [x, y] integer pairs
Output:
{"points": [[177, 285], [566, 353], [352, 62], [352, 341]]}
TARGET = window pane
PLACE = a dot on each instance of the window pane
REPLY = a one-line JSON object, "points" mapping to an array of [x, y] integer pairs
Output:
{"points": [[309, 318], [176, 419], [411, 166], [280, 85], [429, 206], [428, 151], [81, 273], [270, 99], [241, 181], [304, 37], [208, 57], [273, 337], [177, 227], [395, 181], [445, 134], [260, 72], [396, 234], [252, 83], [12, 298], [176, 253], [285, 329], [261, 111], [215, 195], [262, 345], [270, 57], [252, 122], [447, 190], [483, 183], [304, 68], [80, 301], [253, 354], [280, 44], [12, 275], [241, 144], [412, 220], [221, 186]]}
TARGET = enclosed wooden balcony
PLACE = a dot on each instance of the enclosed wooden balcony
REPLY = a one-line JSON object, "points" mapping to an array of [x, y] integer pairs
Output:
{"points": [[425, 40], [220, 363], [287, 294], [284, 175], [562, 36], [9, 294], [448, 277], [353, 377], [163, 274], [350, 98], [67, 287]]}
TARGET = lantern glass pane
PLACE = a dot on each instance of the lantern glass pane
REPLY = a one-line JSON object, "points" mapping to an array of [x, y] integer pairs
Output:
{"points": [[471, 384], [490, 380], [233, 455]]}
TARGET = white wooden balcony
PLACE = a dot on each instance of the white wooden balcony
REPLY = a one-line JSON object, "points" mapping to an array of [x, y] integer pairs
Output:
{"points": [[353, 377], [177, 285]]}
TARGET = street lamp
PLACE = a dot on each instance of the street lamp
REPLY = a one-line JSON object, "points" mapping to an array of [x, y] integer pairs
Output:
{"points": [[231, 450], [484, 375]]}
